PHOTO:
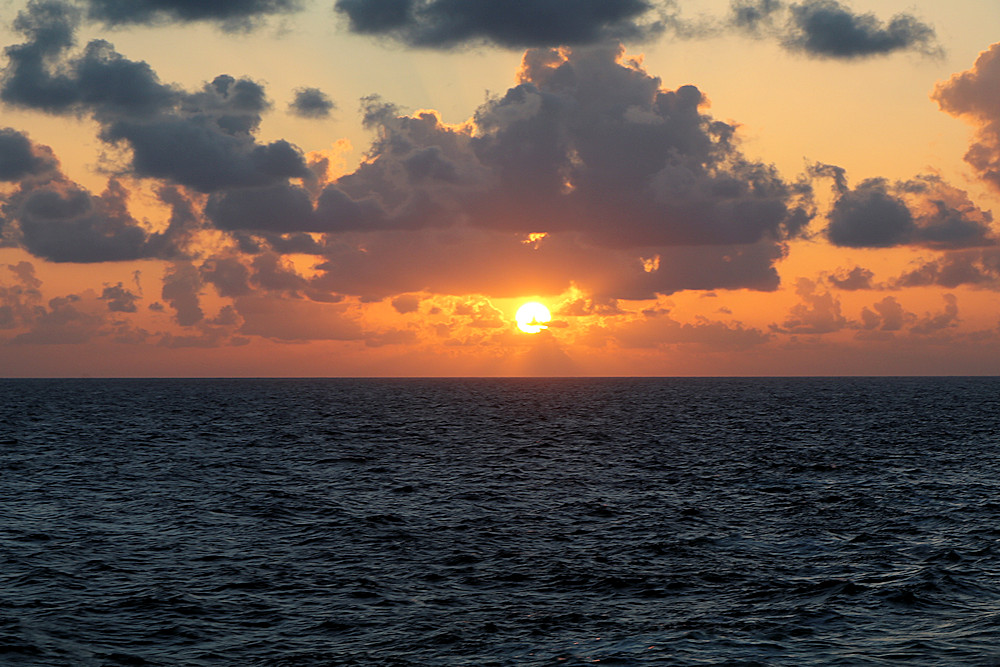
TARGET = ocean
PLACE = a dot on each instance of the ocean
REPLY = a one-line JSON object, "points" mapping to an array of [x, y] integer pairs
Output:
{"points": [[757, 521]]}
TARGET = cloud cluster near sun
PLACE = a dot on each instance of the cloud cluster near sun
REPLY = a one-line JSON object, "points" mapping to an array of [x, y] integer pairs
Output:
{"points": [[589, 173]]}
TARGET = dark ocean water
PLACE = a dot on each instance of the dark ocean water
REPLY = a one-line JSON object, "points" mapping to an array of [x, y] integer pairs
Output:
{"points": [[500, 522]]}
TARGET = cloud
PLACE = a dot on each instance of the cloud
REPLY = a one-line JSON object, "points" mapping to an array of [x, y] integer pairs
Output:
{"points": [[858, 278], [119, 299], [933, 323], [232, 15], [311, 103], [67, 320], [588, 148], [656, 329], [978, 268], [826, 28], [885, 315], [817, 313], [829, 29], [202, 139], [20, 300], [63, 222], [295, 319], [181, 288], [406, 303], [975, 95], [924, 211], [451, 23], [19, 158]]}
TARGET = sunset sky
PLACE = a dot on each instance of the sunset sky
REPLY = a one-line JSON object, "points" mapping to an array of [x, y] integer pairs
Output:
{"points": [[373, 187]]}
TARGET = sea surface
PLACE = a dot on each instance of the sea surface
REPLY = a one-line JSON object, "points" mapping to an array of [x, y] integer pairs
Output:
{"points": [[500, 522]]}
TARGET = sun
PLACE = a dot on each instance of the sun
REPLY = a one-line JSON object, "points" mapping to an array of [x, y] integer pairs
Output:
{"points": [[532, 317]]}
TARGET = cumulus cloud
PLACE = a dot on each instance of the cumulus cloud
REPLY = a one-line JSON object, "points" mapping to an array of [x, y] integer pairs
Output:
{"points": [[202, 139], [816, 313], [830, 29], [181, 290], [924, 211], [312, 103], [586, 171], [19, 158], [885, 315], [231, 15], [977, 268], [975, 95], [858, 278], [450, 23], [63, 222], [119, 298]]}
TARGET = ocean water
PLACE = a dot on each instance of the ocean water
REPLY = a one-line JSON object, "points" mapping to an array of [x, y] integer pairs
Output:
{"points": [[500, 522]]}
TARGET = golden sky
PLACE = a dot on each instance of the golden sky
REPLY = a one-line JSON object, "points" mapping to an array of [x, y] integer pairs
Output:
{"points": [[374, 187]]}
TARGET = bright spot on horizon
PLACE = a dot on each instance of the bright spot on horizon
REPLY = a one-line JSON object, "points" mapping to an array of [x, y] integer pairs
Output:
{"points": [[532, 317]]}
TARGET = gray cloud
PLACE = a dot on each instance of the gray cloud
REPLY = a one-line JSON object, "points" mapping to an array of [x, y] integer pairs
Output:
{"points": [[181, 288], [119, 299], [450, 23], [857, 278], [62, 222], [20, 159], [230, 14], [202, 139], [312, 103], [977, 267], [587, 147], [827, 28], [924, 211]]}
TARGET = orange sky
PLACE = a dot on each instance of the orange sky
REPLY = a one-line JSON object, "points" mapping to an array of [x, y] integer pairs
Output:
{"points": [[720, 190]]}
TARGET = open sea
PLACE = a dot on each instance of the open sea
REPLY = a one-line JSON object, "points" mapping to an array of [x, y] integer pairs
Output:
{"points": [[500, 522]]}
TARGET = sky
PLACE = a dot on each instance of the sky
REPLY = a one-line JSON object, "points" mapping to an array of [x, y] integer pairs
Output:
{"points": [[374, 187]]}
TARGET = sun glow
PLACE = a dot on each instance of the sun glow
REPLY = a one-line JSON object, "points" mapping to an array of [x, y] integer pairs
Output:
{"points": [[532, 317]]}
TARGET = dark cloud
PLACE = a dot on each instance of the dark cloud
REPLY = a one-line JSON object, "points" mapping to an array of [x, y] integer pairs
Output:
{"points": [[230, 14], [406, 303], [312, 103], [870, 217], [119, 299], [753, 15], [19, 158], [589, 148], [450, 23], [975, 95], [924, 211], [181, 289], [203, 139], [827, 28], [857, 278], [62, 222]]}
